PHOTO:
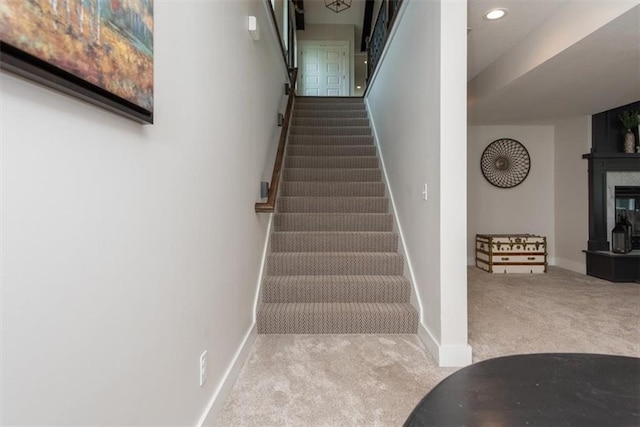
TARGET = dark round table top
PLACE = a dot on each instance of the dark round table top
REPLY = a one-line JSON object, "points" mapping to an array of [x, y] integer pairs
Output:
{"points": [[552, 389]]}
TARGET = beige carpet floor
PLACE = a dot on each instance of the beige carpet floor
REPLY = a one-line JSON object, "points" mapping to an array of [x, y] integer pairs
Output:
{"points": [[376, 380]]}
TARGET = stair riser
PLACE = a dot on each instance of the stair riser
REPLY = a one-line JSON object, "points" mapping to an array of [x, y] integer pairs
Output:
{"points": [[325, 264], [343, 292], [305, 121], [336, 189], [326, 106], [338, 322], [333, 204], [327, 114], [331, 150], [330, 130], [331, 162], [329, 100], [331, 175], [334, 242], [321, 222], [330, 140]]}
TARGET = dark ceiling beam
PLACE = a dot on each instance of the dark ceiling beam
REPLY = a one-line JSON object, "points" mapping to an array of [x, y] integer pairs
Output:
{"points": [[299, 16], [366, 25]]}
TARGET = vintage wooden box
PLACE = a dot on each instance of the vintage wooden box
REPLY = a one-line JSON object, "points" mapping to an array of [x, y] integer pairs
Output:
{"points": [[511, 253]]}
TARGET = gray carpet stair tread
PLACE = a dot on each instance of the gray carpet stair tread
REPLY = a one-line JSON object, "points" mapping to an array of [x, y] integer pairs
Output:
{"points": [[330, 99], [332, 222], [339, 114], [332, 189], [330, 139], [331, 150], [330, 130], [331, 241], [332, 106], [344, 288], [337, 318], [351, 204], [334, 121], [332, 174], [331, 162], [335, 263]]}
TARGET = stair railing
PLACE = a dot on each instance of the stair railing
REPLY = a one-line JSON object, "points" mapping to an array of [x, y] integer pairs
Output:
{"points": [[378, 39], [270, 204]]}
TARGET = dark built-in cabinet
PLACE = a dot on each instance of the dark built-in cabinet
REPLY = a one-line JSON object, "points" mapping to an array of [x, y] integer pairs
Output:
{"points": [[607, 156]]}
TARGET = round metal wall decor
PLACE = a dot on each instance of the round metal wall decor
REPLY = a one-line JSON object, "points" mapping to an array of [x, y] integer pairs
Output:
{"points": [[505, 163]]}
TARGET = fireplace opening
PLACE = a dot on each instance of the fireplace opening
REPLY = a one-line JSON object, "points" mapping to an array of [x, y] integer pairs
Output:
{"points": [[627, 203]]}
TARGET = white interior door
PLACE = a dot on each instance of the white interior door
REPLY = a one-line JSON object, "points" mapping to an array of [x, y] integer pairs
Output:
{"points": [[335, 71], [324, 70], [311, 72]]}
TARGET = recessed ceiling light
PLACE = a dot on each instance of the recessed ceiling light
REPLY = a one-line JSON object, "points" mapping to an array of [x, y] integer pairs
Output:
{"points": [[358, 87], [365, 62], [494, 14]]}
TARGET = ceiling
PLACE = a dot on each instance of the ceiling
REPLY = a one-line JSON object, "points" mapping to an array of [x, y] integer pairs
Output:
{"points": [[315, 12], [556, 69], [488, 40], [596, 73]]}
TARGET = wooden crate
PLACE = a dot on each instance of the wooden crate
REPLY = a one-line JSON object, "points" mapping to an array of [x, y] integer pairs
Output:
{"points": [[511, 253]]}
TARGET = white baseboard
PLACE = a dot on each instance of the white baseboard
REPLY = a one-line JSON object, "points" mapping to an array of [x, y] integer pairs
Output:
{"points": [[429, 341], [578, 267], [447, 356], [216, 403], [261, 273]]}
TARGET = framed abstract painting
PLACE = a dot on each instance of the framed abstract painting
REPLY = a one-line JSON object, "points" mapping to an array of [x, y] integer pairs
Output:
{"points": [[100, 51]]}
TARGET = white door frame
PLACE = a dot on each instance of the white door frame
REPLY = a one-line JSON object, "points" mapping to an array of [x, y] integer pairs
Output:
{"points": [[325, 43]]}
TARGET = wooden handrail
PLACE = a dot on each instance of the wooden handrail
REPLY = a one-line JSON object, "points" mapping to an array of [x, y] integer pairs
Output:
{"points": [[270, 204]]}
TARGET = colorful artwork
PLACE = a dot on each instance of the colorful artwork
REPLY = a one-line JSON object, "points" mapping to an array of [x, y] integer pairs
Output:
{"points": [[108, 43]]}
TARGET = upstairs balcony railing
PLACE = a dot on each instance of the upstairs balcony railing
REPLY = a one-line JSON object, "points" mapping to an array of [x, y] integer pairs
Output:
{"points": [[376, 42]]}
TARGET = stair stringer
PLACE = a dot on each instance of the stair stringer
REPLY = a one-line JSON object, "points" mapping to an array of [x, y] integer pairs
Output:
{"points": [[424, 334]]}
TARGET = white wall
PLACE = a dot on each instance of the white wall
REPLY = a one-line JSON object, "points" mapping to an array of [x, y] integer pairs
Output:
{"points": [[526, 208], [572, 140], [127, 250], [341, 32], [417, 102]]}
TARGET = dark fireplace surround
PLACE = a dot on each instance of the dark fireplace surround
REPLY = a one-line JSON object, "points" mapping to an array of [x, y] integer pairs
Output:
{"points": [[606, 156]]}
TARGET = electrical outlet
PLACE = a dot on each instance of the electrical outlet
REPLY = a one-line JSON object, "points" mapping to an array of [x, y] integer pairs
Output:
{"points": [[203, 368], [424, 192]]}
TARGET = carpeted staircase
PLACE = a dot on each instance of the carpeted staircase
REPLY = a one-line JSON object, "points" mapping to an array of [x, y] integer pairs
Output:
{"points": [[333, 266]]}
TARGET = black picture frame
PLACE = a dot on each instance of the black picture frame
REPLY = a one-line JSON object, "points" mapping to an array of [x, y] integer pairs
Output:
{"points": [[98, 51], [28, 66]]}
